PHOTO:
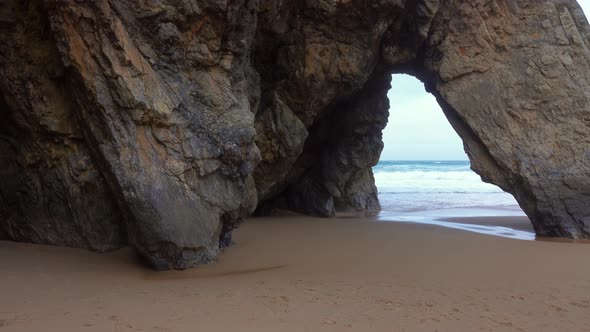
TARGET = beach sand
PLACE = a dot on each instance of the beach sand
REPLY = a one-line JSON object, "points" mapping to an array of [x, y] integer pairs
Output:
{"points": [[306, 274]]}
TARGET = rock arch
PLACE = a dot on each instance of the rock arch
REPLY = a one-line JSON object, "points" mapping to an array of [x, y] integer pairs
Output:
{"points": [[505, 76], [162, 124]]}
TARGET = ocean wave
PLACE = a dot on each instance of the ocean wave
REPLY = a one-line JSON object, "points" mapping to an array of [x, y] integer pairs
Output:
{"points": [[420, 181], [427, 185], [425, 167], [439, 192]]}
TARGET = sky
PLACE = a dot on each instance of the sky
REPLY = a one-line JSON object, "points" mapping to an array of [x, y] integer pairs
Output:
{"points": [[417, 128]]}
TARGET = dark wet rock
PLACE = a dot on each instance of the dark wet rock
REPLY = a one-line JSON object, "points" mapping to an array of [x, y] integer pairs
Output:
{"points": [[162, 124]]}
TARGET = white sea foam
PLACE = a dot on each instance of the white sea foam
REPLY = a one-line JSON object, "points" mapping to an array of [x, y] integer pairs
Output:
{"points": [[431, 185], [433, 217]]}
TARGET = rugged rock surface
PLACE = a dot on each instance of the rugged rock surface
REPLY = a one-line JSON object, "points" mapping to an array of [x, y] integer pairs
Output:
{"points": [[162, 123], [142, 111]]}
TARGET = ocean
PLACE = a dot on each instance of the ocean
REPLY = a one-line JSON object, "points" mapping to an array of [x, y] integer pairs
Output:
{"points": [[409, 186], [430, 192]]}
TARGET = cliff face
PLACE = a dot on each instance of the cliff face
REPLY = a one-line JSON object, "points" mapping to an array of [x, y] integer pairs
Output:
{"points": [[163, 123]]}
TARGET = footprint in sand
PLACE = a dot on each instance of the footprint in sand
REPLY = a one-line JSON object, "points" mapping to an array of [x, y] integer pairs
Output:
{"points": [[330, 322], [583, 305]]}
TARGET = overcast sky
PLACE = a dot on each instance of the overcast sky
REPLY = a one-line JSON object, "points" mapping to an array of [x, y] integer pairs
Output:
{"points": [[418, 129]]}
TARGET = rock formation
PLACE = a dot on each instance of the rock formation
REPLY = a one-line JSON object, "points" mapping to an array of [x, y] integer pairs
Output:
{"points": [[163, 123]]}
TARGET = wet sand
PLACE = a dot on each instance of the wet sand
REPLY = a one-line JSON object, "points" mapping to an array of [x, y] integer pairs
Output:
{"points": [[305, 274], [521, 223]]}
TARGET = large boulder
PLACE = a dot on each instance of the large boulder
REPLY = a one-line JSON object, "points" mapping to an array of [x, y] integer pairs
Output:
{"points": [[163, 123]]}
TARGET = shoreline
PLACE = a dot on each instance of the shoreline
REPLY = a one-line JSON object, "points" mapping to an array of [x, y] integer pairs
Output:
{"points": [[521, 223], [307, 274], [505, 221]]}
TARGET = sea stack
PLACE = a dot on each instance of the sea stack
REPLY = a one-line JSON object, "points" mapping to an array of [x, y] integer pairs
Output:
{"points": [[162, 124]]}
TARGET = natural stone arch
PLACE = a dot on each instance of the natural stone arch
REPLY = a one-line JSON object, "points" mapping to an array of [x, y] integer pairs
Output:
{"points": [[520, 107], [498, 69], [162, 124]]}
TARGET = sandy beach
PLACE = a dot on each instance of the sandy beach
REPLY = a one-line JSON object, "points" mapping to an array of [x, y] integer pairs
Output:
{"points": [[306, 274]]}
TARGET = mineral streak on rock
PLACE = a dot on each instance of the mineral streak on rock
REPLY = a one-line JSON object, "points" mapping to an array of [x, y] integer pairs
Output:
{"points": [[163, 123]]}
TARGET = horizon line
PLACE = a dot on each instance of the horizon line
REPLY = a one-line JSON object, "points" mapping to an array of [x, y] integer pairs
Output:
{"points": [[424, 160]]}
